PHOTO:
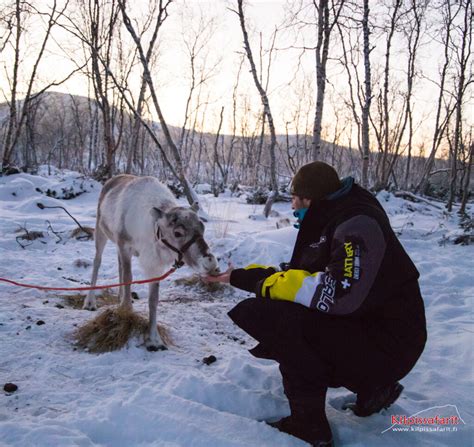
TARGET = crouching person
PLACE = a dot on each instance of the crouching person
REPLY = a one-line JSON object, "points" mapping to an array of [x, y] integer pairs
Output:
{"points": [[346, 310]]}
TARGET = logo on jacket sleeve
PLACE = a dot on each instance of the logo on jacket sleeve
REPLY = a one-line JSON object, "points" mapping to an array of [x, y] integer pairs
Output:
{"points": [[322, 240], [345, 284], [326, 296], [351, 261]]}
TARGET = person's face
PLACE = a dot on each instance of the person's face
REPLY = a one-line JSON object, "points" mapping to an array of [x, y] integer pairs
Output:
{"points": [[298, 202]]}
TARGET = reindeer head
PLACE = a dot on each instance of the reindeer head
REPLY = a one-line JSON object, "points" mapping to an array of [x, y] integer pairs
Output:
{"points": [[181, 230]]}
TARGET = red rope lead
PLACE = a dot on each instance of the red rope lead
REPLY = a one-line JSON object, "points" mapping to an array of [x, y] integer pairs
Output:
{"points": [[139, 281]]}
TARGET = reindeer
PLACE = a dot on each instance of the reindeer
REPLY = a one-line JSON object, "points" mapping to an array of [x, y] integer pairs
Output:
{"points": [[141, 216]]}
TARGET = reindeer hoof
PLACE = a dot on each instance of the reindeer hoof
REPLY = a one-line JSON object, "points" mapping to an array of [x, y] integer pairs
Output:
{"points": [[156, 348], [89, 307], [90, 303]]}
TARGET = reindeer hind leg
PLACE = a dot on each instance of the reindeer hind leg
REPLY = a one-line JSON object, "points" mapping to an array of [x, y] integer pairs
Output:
{"points": [[125, 266]]}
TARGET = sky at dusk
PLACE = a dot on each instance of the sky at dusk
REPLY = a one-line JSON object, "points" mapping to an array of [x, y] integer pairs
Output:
{"points": [[291, 84]]}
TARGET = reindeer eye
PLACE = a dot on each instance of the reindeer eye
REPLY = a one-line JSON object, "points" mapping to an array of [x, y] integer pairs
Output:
{"points": [[178, 234]]}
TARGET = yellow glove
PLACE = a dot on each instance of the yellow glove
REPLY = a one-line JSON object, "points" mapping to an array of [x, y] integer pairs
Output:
{"points": [[298, 286]]}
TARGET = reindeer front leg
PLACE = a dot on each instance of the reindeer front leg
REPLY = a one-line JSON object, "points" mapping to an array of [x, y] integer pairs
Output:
{"points": [[153, 340], [90, 303]]}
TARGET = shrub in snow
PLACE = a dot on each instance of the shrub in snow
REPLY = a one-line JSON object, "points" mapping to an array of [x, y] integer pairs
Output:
{"points": [[236, 189], [27, 237], [176, 189], [30, 235], [464, 239], [203, 188], [284, 197], [466, 224], [260, 196], [68, 188], [438, 186], [48, 170], [257, 197], [283, 222], [101, 174], [10, 170]]}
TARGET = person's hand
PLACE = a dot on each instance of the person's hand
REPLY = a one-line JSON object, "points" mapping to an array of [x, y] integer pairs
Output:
{"points": [[221, 277]]}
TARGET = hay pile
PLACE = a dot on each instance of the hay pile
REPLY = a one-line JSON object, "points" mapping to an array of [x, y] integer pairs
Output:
{"points": [[105, 298], [195, 281], [112, 329], [83, 233]]}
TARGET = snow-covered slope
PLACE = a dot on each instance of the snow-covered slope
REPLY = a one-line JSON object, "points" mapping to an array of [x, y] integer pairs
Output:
{"points": [[67, 397]]}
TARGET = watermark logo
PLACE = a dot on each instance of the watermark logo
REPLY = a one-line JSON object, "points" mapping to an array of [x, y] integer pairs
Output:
{"points": [[445, 418]]}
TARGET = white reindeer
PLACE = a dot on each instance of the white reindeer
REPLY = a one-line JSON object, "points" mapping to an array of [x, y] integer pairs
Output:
{"points": [[140, 215]]}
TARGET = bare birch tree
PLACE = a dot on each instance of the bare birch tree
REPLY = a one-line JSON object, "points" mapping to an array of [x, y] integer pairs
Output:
{"points": [[328, 16], [179, 169], [463, 78], [360, 94], [367, 96], [266, 110], [137, 128], [94, 24], [383, 166], [466, 190], [441, 119], [18, 110]]}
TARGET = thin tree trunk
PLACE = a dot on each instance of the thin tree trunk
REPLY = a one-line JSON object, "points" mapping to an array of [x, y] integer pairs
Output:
{"points": [[267, 112], [439, 124], [136, 126], [467, 180], [460, 90], [322, 49], [367, 98], [413, 43], [386, 85], [12, 123], [191, 196], [215, 188]]}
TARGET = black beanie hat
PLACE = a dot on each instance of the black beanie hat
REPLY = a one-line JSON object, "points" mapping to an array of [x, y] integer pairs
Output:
{"points": [[315, 181]]}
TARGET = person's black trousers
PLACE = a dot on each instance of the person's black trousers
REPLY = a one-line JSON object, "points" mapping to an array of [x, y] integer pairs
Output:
{"points": [[316, 351]]}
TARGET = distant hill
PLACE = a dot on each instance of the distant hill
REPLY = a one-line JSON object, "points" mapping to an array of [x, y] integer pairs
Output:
{"points": [[66, 130]]}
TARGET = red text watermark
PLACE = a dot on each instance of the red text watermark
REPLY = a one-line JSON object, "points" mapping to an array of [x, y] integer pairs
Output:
{"points": [[434, 422], [415, 420]]}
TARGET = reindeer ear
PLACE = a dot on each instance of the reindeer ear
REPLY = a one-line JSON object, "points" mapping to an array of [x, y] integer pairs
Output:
{"points": [[156, 213], [195, 207]]}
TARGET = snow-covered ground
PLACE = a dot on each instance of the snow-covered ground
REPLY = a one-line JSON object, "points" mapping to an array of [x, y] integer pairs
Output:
{"points": [[131, 397]]}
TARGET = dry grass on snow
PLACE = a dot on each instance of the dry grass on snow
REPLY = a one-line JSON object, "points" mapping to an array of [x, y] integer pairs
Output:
{"points": [[76, 300], [112, 329]]}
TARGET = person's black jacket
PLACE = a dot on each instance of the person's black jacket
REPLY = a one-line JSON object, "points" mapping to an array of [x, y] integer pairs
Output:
{"points": [[348, 263]]}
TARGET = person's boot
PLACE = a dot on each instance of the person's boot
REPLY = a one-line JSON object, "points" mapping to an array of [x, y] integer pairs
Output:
{"points": [[370, 402], [306, 422]]}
